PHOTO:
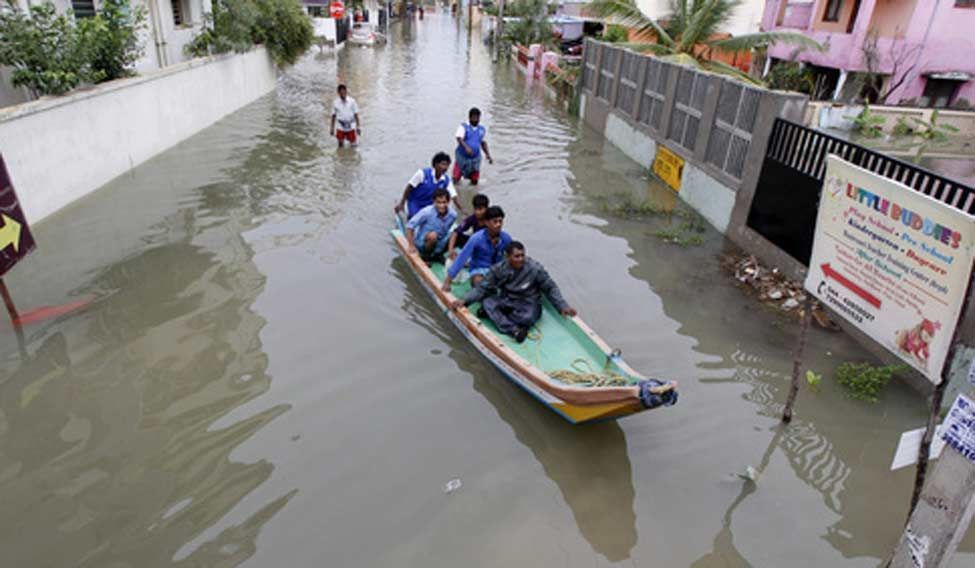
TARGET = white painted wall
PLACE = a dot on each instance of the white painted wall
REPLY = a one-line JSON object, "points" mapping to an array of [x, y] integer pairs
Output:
{"points": [[60, 149], [744, 20]]}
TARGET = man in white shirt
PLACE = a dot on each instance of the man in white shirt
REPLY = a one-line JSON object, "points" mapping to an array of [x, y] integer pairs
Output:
{"points": [[345, 111]]}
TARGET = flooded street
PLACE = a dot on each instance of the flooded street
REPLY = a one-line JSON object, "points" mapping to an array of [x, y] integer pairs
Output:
{"points": [[261, 381]]}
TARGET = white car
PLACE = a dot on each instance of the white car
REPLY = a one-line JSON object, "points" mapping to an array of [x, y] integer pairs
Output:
{"points": [[365, 34]]}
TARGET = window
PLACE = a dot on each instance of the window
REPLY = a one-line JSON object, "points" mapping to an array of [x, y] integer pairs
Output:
{"points": [[316, 11], [938, 93], [832, 11], [181, 13], [83, 8], [964, 3]]}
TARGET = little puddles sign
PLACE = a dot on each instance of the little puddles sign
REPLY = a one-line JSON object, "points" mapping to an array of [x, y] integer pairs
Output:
{"points": [[892, 261]]}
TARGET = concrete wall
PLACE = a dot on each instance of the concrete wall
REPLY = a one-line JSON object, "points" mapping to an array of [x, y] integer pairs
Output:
{"points": [[718, 125], [840, 116], [60, 149]]}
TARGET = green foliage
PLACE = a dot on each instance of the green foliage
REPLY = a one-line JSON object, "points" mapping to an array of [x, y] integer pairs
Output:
{"points": [[236, 25], [868, 124], [932, 130], [790, 76], [903, 127], [45, 49], [51, 53], [113, 39], [689, 31], [813, 380], [864, 381], [531, 27], [687, 234], [615, 34]]}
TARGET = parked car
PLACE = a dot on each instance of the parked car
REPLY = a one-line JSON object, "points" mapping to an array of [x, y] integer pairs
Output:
{"points": [[365, 34]]}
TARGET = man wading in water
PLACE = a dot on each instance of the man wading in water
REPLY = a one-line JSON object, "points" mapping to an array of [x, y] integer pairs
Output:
{"points": [[345, 111]]}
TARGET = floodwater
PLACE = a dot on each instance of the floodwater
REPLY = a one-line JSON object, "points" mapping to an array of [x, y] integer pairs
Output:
{"points": [[260, 381]]}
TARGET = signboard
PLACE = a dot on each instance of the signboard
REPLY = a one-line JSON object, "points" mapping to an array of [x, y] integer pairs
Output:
{"points": [[16, 240], [669, 167], [891, 261], [337, 9], [909, 447], [958, 430]]}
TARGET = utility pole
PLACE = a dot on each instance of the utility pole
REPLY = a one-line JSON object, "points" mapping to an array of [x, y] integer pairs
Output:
{"points": [[498, 30], [947, 504]]}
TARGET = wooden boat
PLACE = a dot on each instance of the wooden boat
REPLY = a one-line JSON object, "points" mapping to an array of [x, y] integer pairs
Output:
{"points": [[555, 345]]}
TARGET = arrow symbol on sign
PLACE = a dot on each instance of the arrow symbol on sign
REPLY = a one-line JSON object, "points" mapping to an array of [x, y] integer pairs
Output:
{"points": [[9, 233], [829, 272]]}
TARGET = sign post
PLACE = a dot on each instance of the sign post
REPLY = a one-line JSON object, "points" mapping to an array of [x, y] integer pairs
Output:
{"points": [[16, 242], [946, 508]]}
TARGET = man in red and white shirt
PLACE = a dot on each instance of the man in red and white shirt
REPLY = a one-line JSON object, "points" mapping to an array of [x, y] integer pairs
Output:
{"points": [[345, 111]]}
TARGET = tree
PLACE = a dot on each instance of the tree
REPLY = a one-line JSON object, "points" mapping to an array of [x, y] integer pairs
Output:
{"points": [[113, 39], [47, 53], [532, 26], [687, 35], [903, 60]]}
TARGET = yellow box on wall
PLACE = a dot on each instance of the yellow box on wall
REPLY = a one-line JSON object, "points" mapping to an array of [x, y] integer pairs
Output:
{"points": [[669, 167]]}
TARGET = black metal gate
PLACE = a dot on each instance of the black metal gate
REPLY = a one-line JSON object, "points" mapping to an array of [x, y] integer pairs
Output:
{"points": [[787, 197], [341, 30]]}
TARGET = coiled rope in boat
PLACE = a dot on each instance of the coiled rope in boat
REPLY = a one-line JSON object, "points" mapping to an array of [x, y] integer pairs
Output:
{"points": [[583, 375]]}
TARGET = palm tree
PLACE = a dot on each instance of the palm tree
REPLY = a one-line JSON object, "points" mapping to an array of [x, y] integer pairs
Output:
{"points": [[686, 36]]}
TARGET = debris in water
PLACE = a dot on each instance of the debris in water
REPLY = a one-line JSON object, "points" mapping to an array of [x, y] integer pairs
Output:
{"points": [[751, 474], [773, 288], [452, 485]]}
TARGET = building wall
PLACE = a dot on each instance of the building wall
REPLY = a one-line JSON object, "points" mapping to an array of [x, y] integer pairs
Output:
{"points": [[938, 34], [58, 150]]}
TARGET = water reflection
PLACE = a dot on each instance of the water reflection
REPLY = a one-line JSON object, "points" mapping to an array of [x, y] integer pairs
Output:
{"points": [[588, 463], [108, 429]]}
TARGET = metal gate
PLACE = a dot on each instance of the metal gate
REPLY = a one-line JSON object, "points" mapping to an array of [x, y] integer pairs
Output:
{"points": [[787, 197], [341, 30]]}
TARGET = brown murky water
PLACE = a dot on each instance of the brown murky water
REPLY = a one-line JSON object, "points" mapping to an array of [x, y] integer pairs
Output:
{"points": [[262, 382]]}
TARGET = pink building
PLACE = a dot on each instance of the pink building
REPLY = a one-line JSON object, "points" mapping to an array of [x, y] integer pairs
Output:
{"points": [[924, 48]]}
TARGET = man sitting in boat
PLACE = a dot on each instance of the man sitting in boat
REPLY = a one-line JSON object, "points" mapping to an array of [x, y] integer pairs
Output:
{"points": [[511, 293], [419, 190], [429, 229], [472, 223], [484, 249]]}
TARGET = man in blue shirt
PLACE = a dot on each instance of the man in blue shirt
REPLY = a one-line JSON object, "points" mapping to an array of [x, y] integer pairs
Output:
{"points": [[484, 249], [429, 229], [419, 190]]}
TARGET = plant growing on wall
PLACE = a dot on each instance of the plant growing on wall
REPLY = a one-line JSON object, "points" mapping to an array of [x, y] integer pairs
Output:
{"points": [[932, 130], [615, 34], [236, 25], [790, 76], [868, 123], [112, 37], [687, 35], [44, 48]]}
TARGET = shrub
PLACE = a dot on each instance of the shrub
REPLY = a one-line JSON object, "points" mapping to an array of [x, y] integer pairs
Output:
{"points": [[112, 37], [44, 48], [868, 124], [790, 76], [616, 34], [236, 25], [864, 381]]}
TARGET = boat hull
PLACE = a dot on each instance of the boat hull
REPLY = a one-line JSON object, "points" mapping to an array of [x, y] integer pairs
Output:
{"points": [[575, 404]]}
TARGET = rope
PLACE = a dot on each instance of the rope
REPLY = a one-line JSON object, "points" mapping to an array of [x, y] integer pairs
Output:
{"points": [[582, 374]]}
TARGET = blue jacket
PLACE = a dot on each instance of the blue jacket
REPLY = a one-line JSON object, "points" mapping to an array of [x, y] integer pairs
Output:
{"points": [[481, 252], [473, 135], [422, 195]]}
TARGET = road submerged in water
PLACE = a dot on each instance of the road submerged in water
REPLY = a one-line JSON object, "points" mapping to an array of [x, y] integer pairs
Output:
{"points": [[262, 381]]}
